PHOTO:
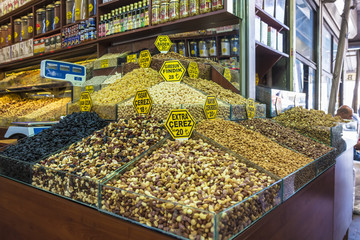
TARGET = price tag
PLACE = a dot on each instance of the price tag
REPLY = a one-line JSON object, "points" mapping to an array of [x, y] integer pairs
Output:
{"points": [[131, 58], [193, 70], [180, 124], [227, 74], [142, 102], [250, 108], [89, 88], [145, 59], [85, 102], [172, 71], [104, 63], [211, 107], [163, 43]]}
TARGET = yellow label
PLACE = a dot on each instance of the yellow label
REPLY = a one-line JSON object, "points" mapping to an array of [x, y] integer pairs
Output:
{"points": [[142, 102], [180, 124], [104, 63], [38, 28], [47, 23], [235, 49], [163, 43], [193, 70], [181, 52], [224, 50], [30, 29], [85, 102], [212, 51], [250, 108], [22, 32], [172, 71], [257, 80], [193, 52], [15, 35], [227, 74], [201, 52], [2, 40], [211, 107], [91, 7], [144, 59], [131, 58], [9, 37], [89, 88], [56, 20], [77, 12], [69, 15]]}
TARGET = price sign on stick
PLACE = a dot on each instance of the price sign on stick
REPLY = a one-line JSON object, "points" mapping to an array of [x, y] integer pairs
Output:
{"points": [[85, 102], [142, 102], [172, 71], [89, 88], [145, 59], [250, 108], [131, 58], [180, 124], [211, 107], [227, 74], [163, 43]]}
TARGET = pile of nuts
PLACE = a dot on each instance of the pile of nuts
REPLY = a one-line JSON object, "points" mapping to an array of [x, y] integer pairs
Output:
{"points": [[52, 111], [253, 146], [70, 129], [167, 96], [287, 137], [97, 156], [313, 123], [182, 185]]}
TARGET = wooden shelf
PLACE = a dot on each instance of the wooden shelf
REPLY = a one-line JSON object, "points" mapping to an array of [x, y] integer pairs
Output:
{"points": [[49, 33], [115, 4], [270, 20], [234, 32], [36, 88], [77, 22], [266, 58]]}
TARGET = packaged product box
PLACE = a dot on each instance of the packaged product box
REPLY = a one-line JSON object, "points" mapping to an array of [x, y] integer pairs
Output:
{"points": [[264, 32], [15, 51], [30, 47], [36, 47], [257, 28], [280, 10], [259, 3], [280, 42], [271, 37], [47, 45], [39, 46], [269, 6], [58, 41], [22, 52], [52, 43], [42, 46], [7, 54], [1, 56]]}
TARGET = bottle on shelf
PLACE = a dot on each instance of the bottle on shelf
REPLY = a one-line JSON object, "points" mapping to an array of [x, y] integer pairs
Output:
{"points": [[116, 21], [147, 19], [142, 14], [122, 20], [155, 14], [101, 25], [138, 15], [112, 22], [106, 25], [127, 18], [184, 8]]}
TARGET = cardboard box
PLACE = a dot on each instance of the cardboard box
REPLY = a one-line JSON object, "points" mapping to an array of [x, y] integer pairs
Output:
{"points": [[264, 33], [272, 37], [280, 42], [258, 28], [7, 54], [280, 10], [15, 51], [269, 7]]}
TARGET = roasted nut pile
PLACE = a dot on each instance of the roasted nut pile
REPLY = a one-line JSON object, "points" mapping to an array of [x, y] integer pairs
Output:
{"points": [[70, 129], [52, 111], [98, 155], [287, 137], [313, 123], [127, 86], [253, 146], [192, 173], [167, 96]]}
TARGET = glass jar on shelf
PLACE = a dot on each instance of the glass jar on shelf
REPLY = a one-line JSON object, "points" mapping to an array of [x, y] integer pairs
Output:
{"points": [[9, 34], [174, 10], [212, 48], [174, 48], [4, 37], [234, 42], [164, 12], [217, 5], [40, 21], [30, 25], [184, 8], [70, 11], [17, 30], [182, 48], [205, 6], [194, 7], [57, 14], [203, 49], [225, 47], [50, 18], [193, 49], [155, 14], [24, 28]]}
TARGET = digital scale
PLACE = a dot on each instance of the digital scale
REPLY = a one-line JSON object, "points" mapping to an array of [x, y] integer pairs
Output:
{"points": [[51, 69], [27, 129]]}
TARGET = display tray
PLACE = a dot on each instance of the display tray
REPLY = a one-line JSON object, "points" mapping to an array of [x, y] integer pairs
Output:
{"points": [[238, 112], [108, 112], [182, 220]]}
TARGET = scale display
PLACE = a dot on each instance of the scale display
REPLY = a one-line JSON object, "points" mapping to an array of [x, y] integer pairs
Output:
{"points": [[74, 73]]}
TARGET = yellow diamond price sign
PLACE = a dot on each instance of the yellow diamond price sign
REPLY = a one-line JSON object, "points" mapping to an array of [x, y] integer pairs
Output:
{"points": [[211, 107], [172, 71], [104, 63], [144, 59], [89, 88], [193, 70], [142, 102], [180, 124], [227, 74], [85, 102], [163, 43], [131, 58], [250, 108]]}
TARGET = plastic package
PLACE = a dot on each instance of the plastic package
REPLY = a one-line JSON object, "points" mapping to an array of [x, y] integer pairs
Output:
{"points": [[50, 17]]}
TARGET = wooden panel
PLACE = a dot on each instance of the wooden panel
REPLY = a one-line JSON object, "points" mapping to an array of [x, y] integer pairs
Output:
{"points": [[343, 194], [30, 213], [306, 215], [222, 81]]}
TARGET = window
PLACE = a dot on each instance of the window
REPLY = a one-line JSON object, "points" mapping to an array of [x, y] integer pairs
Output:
{"points": [[305, 25], [326, 50], [304, 81]]}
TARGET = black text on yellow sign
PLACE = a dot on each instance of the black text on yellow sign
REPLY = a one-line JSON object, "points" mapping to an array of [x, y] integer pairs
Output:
{"points": [[227, 74], [211, 107], [145, 59], [89, 88], [250, 108], [131, 58], [163, 43], [142, 102], [172, 71], [180, 124], [104, 63], [85, 102], [193, 70]]}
